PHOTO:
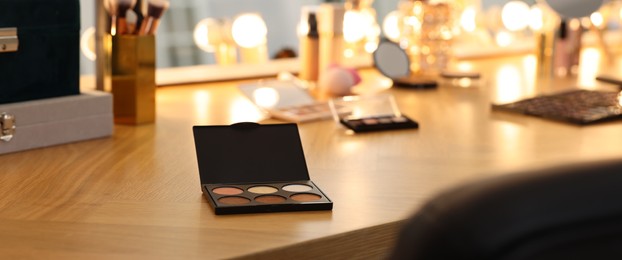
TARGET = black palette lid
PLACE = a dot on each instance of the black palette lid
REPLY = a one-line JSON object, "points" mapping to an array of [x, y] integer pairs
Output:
{"points": [[249, 153]]}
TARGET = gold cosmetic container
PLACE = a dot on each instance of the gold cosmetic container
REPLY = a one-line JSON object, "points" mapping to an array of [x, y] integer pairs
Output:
{"points": [[132, 67]]}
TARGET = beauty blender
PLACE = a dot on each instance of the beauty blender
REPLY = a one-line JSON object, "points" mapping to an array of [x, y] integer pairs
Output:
{"points": [[338, 80]]}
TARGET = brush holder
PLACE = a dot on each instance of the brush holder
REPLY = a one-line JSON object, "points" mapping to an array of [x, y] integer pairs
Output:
{"points": [[132, 66]]}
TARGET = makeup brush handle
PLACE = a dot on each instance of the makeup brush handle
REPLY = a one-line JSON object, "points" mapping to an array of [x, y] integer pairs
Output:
{"points": [[113, 25], [121, 26], [144, 26], [154, 25]]}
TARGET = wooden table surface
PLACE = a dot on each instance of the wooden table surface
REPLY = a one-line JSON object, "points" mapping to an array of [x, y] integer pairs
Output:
{"points": [[137, 194]]}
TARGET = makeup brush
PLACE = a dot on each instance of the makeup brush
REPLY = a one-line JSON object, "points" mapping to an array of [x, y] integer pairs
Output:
{"points": [[131, 18], [121, 10], [110, 6], [140, 9], [155, 10]]}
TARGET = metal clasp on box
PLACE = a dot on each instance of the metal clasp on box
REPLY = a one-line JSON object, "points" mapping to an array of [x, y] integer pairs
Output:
{"points": [[8, 39], [7, 127]]}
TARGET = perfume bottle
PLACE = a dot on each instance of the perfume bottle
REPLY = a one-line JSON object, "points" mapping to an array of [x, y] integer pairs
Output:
{"points": [[427, 34], [436, 37], [411, 15]]}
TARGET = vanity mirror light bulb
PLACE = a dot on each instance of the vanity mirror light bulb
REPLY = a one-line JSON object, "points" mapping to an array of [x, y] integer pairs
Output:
{"points": [[390, 26], [250, 32], [210, 35], [513, 15], [87, 43]]}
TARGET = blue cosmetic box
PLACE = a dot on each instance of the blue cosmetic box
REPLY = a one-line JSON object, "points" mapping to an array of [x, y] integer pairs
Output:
{"points": [[39, 49]]}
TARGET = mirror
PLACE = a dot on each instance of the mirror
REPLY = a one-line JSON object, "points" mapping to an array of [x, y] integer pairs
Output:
{"points": [[391, 60], [574, 8], [175, 40]]}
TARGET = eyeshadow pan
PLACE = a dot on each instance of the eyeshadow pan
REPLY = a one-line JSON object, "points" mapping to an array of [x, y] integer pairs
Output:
{"points": [[227, 191], [262, 189], [370, 121], [270, 199], [296, 188], [399, 119], [304, 197], [385, 120], [234, 200]]}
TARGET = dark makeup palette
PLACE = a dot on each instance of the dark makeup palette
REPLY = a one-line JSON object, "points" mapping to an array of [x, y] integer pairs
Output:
{"points": [[253, 168], [369, 124], [370, 113]]}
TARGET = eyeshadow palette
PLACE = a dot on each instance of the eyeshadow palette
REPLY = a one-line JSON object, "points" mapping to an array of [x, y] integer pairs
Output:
{"points": [[302, 113], [369, 124], [370, 113], [580, 107], [253, 168], [285, 196], [286, 100]]}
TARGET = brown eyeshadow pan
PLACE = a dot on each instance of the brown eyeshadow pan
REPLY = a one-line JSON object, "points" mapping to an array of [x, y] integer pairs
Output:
{"points": [[305, 197], [234, 200], [227, 191], [270, 199]]}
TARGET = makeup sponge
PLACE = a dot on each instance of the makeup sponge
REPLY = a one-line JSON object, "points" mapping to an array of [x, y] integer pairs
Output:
{"points": [[338, 80]]}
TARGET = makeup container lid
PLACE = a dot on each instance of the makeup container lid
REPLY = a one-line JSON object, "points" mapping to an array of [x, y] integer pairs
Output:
{"points": [[249, 153], [364, 106]]}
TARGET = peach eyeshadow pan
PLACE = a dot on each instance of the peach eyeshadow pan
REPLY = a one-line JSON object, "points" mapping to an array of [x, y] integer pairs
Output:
{"points": [[262, 189]]}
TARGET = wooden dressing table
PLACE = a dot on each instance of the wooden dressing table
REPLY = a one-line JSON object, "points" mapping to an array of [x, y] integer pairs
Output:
{"points": [[137, 195]]}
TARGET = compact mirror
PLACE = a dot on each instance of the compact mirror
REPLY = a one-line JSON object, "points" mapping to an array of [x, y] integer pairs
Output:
{"points": [[393, 62], [574, 8]]}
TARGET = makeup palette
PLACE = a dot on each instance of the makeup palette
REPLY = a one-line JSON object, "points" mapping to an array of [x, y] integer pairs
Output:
{"points": [[371, 113], [253, 168], [286, 100]]}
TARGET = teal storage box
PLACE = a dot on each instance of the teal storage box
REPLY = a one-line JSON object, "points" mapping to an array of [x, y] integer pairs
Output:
{"points": [[39, 49]]}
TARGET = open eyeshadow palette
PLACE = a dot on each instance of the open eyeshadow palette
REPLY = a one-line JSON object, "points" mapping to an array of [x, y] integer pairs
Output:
{"points": [[577, 106], [253, 168], [370, 113], [286, 100]]}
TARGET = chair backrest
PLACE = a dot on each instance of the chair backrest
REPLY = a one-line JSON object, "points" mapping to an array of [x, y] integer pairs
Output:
{"points": [[569, 212]]}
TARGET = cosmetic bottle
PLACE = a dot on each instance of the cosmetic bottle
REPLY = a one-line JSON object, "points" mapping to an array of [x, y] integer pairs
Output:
{"points": [[309, 46], [436, 36], [567, 47], [330, 26], [427, 35], [411, 15]]}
